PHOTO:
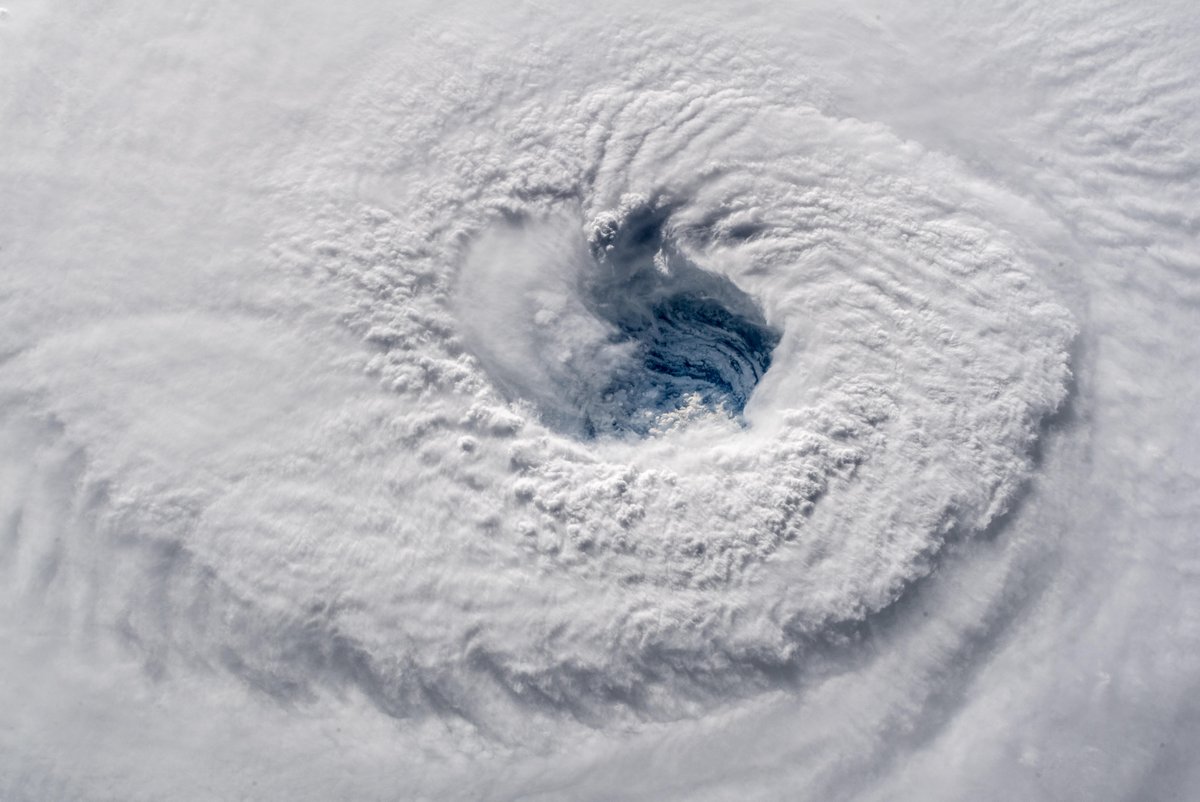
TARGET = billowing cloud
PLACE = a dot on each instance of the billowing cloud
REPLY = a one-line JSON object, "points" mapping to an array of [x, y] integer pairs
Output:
{"points": [[788, 403]]}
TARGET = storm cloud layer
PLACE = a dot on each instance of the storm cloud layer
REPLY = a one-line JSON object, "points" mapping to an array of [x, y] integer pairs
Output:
{"points": [[445, 401]]}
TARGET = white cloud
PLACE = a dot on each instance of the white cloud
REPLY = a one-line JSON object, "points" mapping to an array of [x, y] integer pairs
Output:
{"points": [[305, 338]]}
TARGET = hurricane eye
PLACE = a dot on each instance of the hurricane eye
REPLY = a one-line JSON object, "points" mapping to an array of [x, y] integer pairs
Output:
{"points": [[697, 338], [621, 336]]}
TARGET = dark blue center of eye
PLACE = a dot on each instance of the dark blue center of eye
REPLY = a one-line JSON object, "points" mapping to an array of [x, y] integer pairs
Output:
{"points": [[696, 336]]}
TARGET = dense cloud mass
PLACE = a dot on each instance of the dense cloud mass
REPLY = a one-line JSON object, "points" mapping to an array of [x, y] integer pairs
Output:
{"points": [[464, 401]]}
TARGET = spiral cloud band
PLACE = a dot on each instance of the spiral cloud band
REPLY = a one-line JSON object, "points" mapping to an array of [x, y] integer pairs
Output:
{"points": [[439, 401]]}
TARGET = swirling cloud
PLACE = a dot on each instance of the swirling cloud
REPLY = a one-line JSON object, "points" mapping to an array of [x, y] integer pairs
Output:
{"points": [[696, 405]]}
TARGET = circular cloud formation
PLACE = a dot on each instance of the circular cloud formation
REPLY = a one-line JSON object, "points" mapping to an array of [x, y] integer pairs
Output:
{"points": [[674, 375], [612, 503]]}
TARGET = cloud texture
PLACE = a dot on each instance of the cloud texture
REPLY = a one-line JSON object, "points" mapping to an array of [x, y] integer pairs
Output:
{"points": [[441, 402]]}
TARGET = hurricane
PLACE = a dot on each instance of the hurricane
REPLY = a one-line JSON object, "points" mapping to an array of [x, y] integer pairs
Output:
{"points": [[462, 400]]}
